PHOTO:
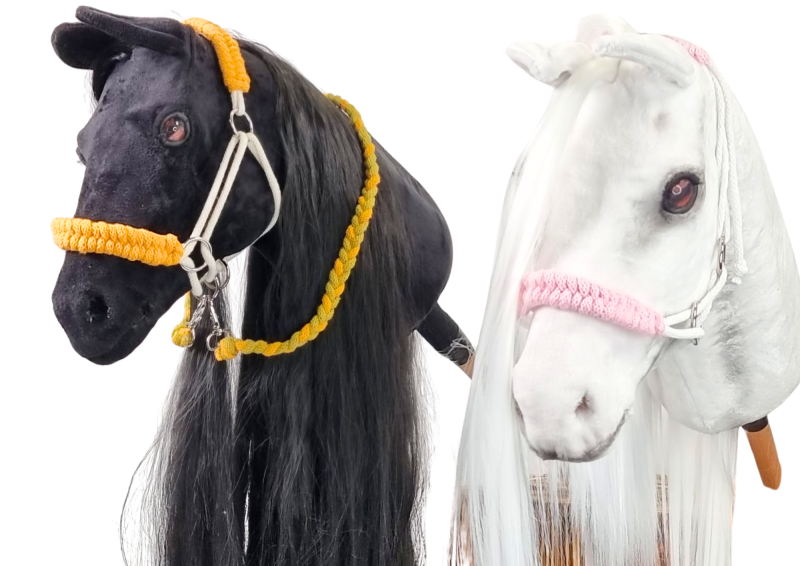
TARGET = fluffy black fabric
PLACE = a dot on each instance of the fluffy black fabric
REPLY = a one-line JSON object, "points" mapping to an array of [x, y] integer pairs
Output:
{"points": [[313, 458]]}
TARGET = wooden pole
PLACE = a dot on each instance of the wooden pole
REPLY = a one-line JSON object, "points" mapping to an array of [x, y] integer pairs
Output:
{"points": [[762, 443]]}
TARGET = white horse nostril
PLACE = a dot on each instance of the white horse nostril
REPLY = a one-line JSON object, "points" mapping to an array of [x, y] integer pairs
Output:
{"points": [[584, 407]]}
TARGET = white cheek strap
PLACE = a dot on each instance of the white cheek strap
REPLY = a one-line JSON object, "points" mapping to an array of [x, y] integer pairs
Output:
{"points": [[218, 195]]}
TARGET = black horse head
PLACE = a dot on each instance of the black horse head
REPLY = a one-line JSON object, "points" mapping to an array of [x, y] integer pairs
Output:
{"points": [[151, 150], [319, 454]]}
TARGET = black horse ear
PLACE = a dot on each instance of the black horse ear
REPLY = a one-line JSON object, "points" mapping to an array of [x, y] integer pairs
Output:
{"points": [[159, 34], [84, 47], [97, 43], [103, 36]]}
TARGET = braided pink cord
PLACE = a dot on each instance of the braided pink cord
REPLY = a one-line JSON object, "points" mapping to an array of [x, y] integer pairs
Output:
{"points": [[698, 53], [569, 292]]}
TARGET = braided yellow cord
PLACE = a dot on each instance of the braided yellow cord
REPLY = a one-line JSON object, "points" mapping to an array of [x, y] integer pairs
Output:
{"points": [[182, 334], [135, 244], [234, 74], [229, 347]]}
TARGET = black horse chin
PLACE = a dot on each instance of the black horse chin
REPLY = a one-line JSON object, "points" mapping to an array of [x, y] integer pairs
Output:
{"points": [[108, 305]]}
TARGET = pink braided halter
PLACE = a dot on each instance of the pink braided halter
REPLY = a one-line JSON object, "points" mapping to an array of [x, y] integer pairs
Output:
{"points": [[570, 292], [698, 53]]}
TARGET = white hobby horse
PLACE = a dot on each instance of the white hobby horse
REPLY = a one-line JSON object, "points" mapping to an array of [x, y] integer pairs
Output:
{"points": [[643, 306]]}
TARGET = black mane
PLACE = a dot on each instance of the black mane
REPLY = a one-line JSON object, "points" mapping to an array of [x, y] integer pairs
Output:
{"points": [[341, 412], [325, 462]]}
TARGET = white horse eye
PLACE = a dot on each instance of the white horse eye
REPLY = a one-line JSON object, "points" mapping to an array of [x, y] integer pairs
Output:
{"points": [[680, 194], [174, 129]]}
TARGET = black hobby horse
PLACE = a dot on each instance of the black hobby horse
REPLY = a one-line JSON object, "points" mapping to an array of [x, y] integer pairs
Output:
{"points": [[316, 457]]}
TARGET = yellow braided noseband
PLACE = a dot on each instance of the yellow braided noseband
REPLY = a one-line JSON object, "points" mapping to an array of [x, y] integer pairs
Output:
{"points": [[136, 244], [229, 347]]}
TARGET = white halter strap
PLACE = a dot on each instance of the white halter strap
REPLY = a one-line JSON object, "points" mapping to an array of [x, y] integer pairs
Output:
{"points": [[729, 216], [699, 311], [218, 195]]}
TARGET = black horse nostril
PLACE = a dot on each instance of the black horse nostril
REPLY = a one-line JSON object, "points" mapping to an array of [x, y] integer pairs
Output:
{"points": [[97, 310]]}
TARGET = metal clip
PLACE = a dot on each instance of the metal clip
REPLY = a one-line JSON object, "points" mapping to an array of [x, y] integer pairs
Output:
{"points": [[206, 303], [221, 280], [722, 255], [197, 317], [217, 332], [693, 320]]}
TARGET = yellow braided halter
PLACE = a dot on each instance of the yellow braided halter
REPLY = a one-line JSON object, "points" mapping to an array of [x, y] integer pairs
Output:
{"points": [[231, 62], [229, 347], [137, 244]]}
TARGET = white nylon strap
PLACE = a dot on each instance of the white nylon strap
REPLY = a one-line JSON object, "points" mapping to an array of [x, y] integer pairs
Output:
{"points": [[240, 143], [702, 311], [729, 214]]}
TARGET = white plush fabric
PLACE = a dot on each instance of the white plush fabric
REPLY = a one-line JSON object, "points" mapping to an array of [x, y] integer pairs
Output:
{"points": [[585, 199], [551, 63]]}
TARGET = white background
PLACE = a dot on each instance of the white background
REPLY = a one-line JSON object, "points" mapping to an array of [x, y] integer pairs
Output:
{"points": [[435, 87]]}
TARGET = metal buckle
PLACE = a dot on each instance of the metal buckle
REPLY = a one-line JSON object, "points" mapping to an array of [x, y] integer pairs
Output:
{"points": [[693, 319]]}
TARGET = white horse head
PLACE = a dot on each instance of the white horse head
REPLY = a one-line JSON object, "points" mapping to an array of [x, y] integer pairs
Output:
{"points": [[644, 199], [639, 217]]}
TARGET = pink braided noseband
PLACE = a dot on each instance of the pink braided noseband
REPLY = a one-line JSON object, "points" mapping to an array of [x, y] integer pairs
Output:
{"points": [[569, 292]]}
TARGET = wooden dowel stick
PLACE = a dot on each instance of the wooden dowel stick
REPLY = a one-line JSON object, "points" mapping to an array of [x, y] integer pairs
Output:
{"points": [[762, 443]]}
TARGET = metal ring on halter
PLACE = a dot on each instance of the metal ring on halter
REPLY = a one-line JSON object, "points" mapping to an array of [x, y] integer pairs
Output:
{"points": [[222, 278], [243, 114], [722, 254], [215, 334], [693, 319], [202, 242]]}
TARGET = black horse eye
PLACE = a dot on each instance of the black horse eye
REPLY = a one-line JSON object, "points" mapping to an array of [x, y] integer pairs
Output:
{"points": [[680, 193], [174, 129]]}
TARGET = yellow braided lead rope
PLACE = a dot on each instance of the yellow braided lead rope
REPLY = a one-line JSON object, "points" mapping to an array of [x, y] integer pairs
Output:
{"points": [[229, 347], [135, 244], [182, 335]]}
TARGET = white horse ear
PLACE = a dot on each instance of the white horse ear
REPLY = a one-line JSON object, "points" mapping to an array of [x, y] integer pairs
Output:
{"points": [[592, 27], [552, 63], [656, 52]]}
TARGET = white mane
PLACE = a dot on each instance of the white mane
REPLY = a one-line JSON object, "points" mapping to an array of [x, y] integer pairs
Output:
{"points": [[506, 496]]}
